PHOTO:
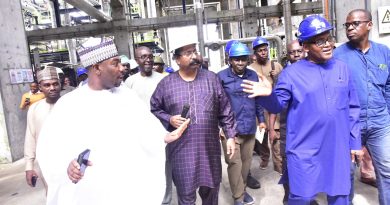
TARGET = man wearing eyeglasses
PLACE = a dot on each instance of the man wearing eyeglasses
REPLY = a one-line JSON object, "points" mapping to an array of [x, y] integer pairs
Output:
{"points": [[145, 81], [323, 133], [196, 157], [369, 62]]}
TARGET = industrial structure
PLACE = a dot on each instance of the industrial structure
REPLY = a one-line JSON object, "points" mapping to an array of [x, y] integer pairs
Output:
{"points": [[49, 31]]}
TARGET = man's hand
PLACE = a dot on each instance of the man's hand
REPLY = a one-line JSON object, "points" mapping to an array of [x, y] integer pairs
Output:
{"points": [[176, 121], [74, 172], [358, 154], [231, 147], [29, 175], [261, 88], [176, 134]]}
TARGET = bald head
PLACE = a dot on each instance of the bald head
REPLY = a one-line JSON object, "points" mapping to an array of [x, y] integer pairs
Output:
{"points": [[294, 51]]}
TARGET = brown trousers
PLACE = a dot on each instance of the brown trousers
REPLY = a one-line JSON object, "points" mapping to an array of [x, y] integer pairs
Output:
{"points": [[239, 165]]}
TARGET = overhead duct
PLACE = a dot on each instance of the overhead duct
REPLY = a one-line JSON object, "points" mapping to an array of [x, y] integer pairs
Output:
{"points": [[89, 9]]}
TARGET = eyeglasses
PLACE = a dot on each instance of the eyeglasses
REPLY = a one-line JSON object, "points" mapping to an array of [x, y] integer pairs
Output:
{"points": [[322, 42], [353, 23], [293, 52], [144, 57], [189, 53]]}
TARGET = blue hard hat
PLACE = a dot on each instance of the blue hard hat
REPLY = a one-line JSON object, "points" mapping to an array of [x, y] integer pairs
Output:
{"points": [[258, 41], [239, 49], [229, 45], [312, 26], [169, 70], [81, 71]]}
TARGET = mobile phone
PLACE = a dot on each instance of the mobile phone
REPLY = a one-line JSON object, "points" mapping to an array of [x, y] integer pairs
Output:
{"points": [[83, 160], [34, 180]]}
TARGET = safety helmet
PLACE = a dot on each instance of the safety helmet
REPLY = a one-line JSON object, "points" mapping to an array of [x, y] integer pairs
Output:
{"points": [[169, 70], [229, 45], [239, 49], [81, 71], [158, 60], [259, 41], [124, 59], [312, 26]]}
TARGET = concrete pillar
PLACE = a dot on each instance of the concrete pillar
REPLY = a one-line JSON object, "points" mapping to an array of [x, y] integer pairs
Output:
{"points": [[342, 9], [122, 37], [14, 54], [250, 25], [199, 24], [234, 26], [287, 20], [70, 43]]}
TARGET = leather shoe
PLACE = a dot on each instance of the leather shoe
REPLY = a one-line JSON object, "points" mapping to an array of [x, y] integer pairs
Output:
{"points": [[252, 183], [248, 199], [369, 181], [263, 165], [238, 203]]}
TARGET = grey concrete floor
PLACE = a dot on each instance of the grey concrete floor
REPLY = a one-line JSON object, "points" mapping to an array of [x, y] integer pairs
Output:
{"points": [[15, 191]]}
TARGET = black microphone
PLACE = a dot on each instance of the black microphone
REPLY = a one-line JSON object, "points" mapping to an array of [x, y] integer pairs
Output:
{"points": [[184, 112]]}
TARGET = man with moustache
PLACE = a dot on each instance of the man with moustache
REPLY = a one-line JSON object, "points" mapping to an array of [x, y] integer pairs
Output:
{"points": [[370, 62], [145, 81], [246, 110], [50, 86], [196, 157], [323, 132], [120, 132]]}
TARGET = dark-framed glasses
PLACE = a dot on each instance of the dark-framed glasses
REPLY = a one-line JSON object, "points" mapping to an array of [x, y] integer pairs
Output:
{"points": [[322, 42], [144, 57], [354, 24], [189, 53]]}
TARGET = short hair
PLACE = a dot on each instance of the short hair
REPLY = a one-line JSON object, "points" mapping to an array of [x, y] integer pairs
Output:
{"points": [[366, 13], [137, 50]]}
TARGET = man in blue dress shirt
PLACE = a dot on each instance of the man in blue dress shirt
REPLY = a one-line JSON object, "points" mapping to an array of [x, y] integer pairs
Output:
{"points": [[246, 110], [369, 63]]}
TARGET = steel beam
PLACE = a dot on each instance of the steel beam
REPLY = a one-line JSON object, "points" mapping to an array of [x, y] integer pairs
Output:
{"points": [[134, 25], [89, 9]]}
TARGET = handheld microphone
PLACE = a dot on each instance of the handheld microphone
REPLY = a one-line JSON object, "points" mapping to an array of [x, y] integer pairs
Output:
{"points": [[185, 110]]}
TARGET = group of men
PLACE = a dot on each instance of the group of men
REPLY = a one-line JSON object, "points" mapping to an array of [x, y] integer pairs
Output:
{"points": [[167, 128]]}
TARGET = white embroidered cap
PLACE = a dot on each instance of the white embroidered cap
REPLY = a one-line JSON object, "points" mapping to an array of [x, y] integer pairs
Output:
{"points": [[95, 54]]}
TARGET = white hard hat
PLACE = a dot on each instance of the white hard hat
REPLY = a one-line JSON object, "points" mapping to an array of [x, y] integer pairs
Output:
{"points": [[59, 70], [133, 63], [181, 43]]}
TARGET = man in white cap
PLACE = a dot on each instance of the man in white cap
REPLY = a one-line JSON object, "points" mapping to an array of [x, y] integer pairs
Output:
{"points": [[50, 86], [121, 159], [196, 157]]}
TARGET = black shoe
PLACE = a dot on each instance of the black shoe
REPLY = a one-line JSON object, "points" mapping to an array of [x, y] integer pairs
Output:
{"points": [[314, 202], [252, 183]]}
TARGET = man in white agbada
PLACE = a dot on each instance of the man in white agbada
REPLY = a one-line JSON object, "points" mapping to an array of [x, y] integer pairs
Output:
{"points": [[50, 86], [125, 140]]}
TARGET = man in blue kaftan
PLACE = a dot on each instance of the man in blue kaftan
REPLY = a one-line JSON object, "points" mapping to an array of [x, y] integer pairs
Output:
{"points": [[323, 132]]}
